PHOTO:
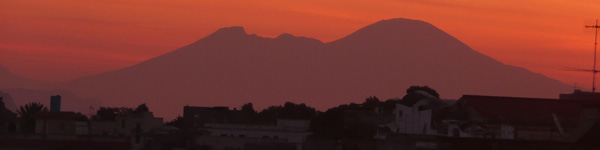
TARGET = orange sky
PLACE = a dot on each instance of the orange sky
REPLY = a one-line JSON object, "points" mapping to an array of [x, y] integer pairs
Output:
{"points": [[62, 40]]}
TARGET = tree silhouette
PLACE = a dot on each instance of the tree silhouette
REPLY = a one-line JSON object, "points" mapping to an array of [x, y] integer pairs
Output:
{"points": [[337, 123], [389, 105], [141, 108], [177, 122], [26, 115], [371, 102], [288, 111], [344, 121], [329, 124], [423, 88], [268, 115], [297, 111], [110, 113], [248, 108]]}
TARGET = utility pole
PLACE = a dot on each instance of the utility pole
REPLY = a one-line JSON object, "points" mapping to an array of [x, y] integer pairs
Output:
{"points": [[594, 71]]}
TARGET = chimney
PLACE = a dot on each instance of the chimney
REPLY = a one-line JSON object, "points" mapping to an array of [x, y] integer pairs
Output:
{"points": [[55, 103]]}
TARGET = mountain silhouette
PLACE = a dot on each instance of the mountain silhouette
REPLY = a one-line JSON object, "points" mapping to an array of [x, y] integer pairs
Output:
{"points": [[8, 102], [69, 100], [231, 67], [11, 80]]}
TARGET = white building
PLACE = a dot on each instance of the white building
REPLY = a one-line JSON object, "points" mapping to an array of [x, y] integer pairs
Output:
{"points": [[413, 121], [414, 115]]}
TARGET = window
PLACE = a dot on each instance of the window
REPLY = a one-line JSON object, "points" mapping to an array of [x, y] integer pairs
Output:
{"points": [[276, 137], [196, 120], [138, 131], [138, 128], [241, 135], [400, 115], [265, 137]]}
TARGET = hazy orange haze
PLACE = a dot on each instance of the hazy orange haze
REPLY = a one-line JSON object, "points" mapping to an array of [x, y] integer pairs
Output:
{"points": [[63, 40]]}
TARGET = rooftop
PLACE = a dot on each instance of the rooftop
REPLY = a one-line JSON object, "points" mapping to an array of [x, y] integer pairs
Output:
{"points": [[525, 111]]}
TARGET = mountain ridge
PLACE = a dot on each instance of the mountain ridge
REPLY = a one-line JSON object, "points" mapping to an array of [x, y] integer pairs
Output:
{"points": [[11, 80], [231, 67]]}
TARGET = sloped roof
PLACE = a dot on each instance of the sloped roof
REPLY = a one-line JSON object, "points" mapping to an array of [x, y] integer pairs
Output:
{"points": [[413, 98], [525, 111]]}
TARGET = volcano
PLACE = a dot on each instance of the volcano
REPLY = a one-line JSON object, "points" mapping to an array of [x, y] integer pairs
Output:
{"points": [[231, 67]]}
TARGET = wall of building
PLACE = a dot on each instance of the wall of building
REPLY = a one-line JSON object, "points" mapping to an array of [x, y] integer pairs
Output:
{"points": [[55, 126], [134, 125], [229, 142], [106, 128], [507, 132], [234, 136], [454, 130], [290, 134], [538, 135], [411, 120]]}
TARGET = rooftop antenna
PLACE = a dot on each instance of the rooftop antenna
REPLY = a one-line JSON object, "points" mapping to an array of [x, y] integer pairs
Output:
{"points": [[91, 111], [594, 71]]}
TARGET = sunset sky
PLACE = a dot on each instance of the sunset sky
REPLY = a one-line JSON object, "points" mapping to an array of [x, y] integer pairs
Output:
{"points": [[62, 40]]}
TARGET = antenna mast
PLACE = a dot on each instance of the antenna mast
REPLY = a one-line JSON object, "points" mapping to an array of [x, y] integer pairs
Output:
{"points": [[91, 111], [594, 71]]}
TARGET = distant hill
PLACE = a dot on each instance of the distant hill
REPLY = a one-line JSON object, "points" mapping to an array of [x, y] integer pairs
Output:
{"points": [[10, 80], [8, 103], [69, 100], [18, 91], [231, 67]]}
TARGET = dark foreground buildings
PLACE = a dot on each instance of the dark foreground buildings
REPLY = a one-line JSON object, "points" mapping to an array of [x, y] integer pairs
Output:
{"points": [[418, 121], [63, 130], [493, 122]]}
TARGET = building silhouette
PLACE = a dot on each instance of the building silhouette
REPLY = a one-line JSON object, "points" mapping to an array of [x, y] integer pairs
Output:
{"points": [[55, 103], [580, 95]]}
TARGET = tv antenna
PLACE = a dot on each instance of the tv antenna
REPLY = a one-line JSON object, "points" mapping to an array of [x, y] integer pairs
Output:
{"points": [[594, 71], [91, 111]]}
